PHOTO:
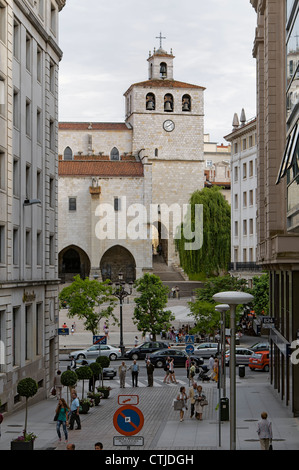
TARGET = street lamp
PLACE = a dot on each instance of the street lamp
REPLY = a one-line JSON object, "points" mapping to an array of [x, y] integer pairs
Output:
{"points": [[222, 308], [121, 293], [233, 299]]}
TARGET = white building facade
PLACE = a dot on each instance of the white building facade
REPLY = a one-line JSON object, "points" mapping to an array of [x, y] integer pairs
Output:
{"points": [[29, 60], [243, 197]]}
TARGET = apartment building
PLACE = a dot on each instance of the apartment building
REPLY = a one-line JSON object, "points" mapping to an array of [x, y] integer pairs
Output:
{"points": [[29, 61]]}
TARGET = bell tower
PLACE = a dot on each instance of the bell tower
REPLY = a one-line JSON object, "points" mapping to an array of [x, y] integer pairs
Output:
{"points": [[160, 63]]}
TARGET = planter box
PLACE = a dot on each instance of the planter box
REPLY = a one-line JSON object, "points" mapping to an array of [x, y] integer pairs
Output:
{"points": [[104, 392], [21, 445]]}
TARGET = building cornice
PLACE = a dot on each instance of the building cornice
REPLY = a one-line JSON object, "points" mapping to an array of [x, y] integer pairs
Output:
{"points": [[38, 27]]}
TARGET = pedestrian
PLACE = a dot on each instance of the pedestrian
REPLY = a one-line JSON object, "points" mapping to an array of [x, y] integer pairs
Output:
{"points": [[58, 384], [216, 370], [166, 368], [98, 446], [211, 362], [136, 341], [135, 370], [192, 371], [171, 371], [71, 447], [264, 430], [122, 370], [75, 406], [183, 397], [73, 363], [192, 394], [187, 366], [62, 411], [150, 373], [199, 397]]}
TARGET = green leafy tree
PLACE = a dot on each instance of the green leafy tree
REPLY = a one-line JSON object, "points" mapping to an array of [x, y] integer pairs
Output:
{"points": [[27, 388], [214, 255], [69, 378], [205, 316], [213, 285], [102, 361], [260, 292], [150, 314], [89, 300]]}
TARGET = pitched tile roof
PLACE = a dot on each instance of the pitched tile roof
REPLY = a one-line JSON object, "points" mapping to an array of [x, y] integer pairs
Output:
{"points": [[100, 168], [89, 126], [164, 84]]}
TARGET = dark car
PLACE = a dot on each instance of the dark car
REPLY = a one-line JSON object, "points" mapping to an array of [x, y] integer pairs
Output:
{"points": [[108, 372], [260, 346], [142, 351], [180, 357]]}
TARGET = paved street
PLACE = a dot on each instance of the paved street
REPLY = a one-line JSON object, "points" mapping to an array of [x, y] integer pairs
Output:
{"points": [[162, 429]]}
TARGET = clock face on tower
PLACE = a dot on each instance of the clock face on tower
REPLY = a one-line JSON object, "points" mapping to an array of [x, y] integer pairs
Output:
{"points": [[168, 125]]}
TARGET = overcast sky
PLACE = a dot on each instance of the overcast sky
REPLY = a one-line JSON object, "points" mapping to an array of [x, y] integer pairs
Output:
{"points": [[106, 45]]}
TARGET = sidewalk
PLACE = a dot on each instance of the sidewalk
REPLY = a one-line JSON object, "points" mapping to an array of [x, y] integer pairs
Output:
{"points": [[162, 429]]}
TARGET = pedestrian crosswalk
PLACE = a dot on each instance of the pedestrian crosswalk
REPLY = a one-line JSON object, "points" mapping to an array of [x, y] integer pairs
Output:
{"points": [[142, 382]]}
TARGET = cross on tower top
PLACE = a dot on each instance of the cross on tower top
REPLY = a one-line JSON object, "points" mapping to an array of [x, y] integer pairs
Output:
{"points": [[160, 37]]}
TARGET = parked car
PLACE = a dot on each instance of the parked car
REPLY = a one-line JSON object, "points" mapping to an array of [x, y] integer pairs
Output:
{"points": [[96, 350], [206, 350], [142, 351], [158, 358], [260, 361], [260, 347], [242, 356], [108, 372]]}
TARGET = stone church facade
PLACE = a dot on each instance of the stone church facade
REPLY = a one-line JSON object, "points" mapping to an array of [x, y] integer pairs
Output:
{"points": [[123, 186]]}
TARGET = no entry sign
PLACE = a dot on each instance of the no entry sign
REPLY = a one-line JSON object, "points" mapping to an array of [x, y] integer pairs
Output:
{"points": [[128, 420]]}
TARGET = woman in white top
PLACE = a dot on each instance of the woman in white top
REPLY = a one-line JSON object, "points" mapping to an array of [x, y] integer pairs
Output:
{"points": [[183, 397], [171, 372]]}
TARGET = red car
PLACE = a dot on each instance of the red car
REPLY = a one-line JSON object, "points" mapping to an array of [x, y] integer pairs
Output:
{"points": [[260, 361]]}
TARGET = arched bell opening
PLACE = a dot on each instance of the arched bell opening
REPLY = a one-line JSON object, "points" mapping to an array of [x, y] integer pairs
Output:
{"points": [[186, 103], [163, 70], [150, 102], [115, 260], [73, 261], [168, 103]]}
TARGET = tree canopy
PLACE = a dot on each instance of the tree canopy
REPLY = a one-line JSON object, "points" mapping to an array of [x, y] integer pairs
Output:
{"points": [[214, 255], [89, 300], [150, 314]]}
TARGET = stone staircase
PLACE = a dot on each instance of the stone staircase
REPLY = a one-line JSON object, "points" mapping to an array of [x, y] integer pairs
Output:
{"points": [[171, 277]]}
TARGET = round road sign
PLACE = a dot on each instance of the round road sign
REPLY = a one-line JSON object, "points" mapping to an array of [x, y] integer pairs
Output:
{"points": [[189, 349], [128, 420]]}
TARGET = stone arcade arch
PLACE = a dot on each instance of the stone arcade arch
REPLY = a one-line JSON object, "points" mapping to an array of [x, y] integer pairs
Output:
{"points": [[72, 261], [115, 260]]}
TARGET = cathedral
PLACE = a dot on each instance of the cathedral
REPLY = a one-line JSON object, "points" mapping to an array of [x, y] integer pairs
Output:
{"points": [[123, 186]]}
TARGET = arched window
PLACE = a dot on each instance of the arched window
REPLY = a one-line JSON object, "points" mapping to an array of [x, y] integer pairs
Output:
{"points": [[186, 103], [150, 102], [168, 103], [163, 70], [114, 155], [68, 154], [156, 152]]}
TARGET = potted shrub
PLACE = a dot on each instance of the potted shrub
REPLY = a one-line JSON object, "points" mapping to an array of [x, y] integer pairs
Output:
{"points": [[103, 361], [69, 378], [84, 373], [96, 370], [95, 397], [26, 388], [85, 404]]}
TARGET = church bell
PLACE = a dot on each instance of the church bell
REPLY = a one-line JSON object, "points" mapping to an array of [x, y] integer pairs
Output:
{"points": [[186, 106], [163, 71], [150, 105], [167, 106]]}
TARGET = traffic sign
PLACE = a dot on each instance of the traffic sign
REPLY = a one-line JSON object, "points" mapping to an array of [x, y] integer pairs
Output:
{"points": [[63, 331], [128, 420], [128, 441], [189, 339], [189, 349], [128, 399], [99, 340]]}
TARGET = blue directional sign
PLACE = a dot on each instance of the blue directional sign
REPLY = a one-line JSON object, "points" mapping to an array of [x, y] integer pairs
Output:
{"points": [[189, 349], [63, 331], [99, 340]]}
